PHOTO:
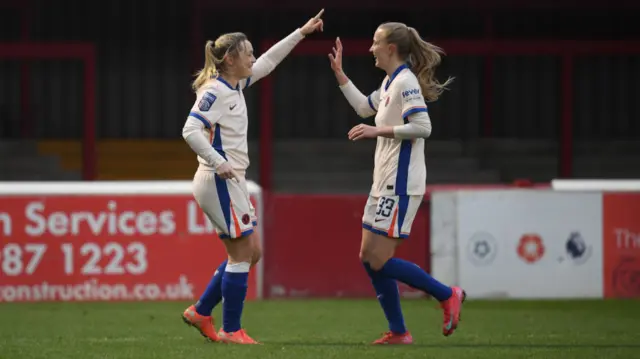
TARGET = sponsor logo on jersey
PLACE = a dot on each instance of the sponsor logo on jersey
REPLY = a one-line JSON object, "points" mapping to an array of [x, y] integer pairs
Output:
{"points": [[411, 92]]}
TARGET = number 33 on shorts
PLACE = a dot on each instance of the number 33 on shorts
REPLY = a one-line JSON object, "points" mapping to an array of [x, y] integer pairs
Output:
{"points": [[391, 216]]}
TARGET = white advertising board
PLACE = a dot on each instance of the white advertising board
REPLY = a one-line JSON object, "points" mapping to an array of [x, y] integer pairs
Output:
{"points": [[529, 244], [443, 240]]}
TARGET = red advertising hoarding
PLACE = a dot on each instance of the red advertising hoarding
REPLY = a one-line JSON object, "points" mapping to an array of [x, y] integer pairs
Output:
{"points": [[106, 247]]}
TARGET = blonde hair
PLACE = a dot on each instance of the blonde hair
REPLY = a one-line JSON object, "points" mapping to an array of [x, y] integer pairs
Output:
{"points": [[422, 56], [214, 55]]}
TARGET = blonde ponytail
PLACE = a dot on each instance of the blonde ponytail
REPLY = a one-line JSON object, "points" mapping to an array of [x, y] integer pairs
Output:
{"points": [[424, 58], [421, 55], [209, 69], [214, 55]]}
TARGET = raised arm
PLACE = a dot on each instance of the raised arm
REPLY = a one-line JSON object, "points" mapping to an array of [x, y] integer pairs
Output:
{"points": [[266, 63], [363, 105]]}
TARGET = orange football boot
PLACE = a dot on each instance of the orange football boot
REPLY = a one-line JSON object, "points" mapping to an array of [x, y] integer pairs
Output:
{"points": [[204, 324], [238, 337], [393, 338], [452, 308]]}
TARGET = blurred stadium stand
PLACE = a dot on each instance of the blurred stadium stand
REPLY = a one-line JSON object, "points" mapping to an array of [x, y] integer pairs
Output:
{"points": [[502, 119]]}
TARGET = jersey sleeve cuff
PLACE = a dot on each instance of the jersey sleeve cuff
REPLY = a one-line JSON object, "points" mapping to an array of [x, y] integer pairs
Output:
{"points": [[413, 110], [347, 84], [202, 119], [298, 35], [371, 103]]}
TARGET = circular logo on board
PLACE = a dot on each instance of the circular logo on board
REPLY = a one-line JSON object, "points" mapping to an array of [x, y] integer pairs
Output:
{"points": [[530, 248], [625, 277], [578, 250], [482, 249]]}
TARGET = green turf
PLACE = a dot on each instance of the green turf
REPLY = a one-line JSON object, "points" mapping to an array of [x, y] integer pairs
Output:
{"points": [[304, 329]]}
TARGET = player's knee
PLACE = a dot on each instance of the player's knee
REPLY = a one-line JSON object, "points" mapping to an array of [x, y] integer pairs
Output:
{"points": [[367, 255], [377, 262], [375, 259], [254, 238], [256, 256], [363, 256], [377, 250]]}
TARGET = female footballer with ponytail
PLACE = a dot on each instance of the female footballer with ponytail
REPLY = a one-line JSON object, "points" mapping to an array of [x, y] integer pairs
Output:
{"points": [[402, 124], [216, 130]]}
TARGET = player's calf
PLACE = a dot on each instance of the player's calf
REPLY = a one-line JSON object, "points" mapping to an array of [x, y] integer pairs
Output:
{"points": [[376, 249], [235, 283], [374, 253]]}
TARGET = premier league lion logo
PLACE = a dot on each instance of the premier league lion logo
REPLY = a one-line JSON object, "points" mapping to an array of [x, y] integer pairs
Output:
{"points": [[577, 248]]}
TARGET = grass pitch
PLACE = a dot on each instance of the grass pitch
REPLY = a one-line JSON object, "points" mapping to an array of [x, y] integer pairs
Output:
{"points": [[305, 329]]}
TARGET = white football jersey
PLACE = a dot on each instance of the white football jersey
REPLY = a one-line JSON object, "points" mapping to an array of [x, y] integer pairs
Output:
{"points": [[223, 111], [399, 164], [220, 112]]}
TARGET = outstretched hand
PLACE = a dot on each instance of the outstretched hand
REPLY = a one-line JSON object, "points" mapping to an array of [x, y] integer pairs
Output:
{"points": [[336, 57], [314, 24]]}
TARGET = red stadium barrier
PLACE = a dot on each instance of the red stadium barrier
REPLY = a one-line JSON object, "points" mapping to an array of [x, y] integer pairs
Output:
{"points": [[312, 243]]}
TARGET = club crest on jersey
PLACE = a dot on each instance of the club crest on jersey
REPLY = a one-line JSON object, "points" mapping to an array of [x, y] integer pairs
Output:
{"points": [[206, 101], [246, 219]]}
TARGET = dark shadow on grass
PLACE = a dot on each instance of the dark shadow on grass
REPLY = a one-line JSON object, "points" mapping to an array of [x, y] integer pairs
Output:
{"points": [[465, 346]]}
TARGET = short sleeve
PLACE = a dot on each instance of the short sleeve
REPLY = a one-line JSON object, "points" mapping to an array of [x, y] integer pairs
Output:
{"points": [[207, 108], [412, 100]]}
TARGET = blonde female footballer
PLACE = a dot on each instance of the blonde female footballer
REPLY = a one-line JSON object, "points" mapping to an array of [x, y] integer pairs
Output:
{"points": [[216, 130]]}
